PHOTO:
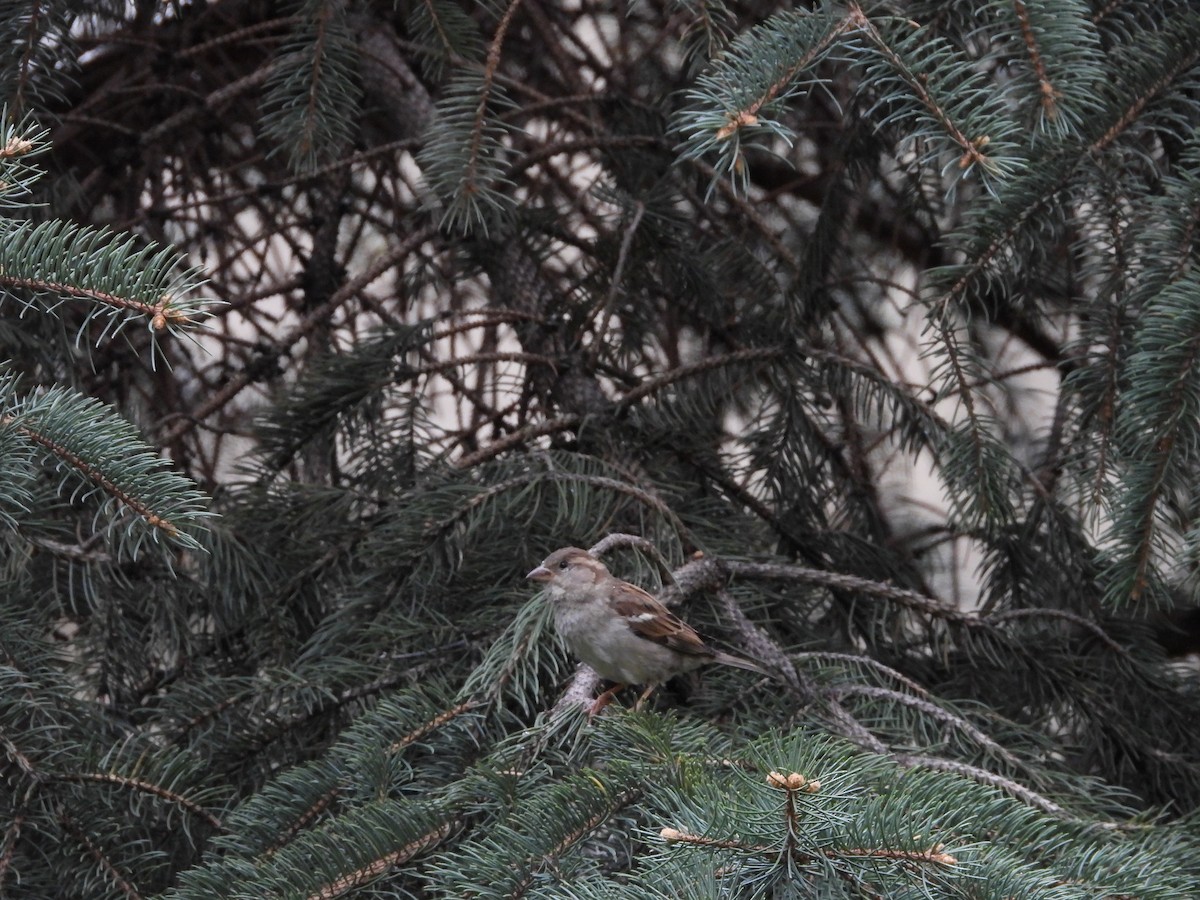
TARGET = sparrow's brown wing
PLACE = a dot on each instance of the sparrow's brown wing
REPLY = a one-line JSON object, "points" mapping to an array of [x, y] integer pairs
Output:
{"points": [[650, 619]]}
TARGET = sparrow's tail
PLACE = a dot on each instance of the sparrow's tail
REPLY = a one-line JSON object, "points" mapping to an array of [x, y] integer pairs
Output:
{"points": [[729, 659]]}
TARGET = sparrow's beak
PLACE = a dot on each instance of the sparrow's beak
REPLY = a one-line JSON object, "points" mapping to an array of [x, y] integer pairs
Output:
{"points": [[541, 573]]}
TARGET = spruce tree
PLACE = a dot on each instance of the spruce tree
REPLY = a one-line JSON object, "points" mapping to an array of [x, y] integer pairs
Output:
{"points": [[866, 334]]}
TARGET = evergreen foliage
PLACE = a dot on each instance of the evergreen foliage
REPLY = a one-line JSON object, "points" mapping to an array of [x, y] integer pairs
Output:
{"points": [[867, 334], [311, 98]]}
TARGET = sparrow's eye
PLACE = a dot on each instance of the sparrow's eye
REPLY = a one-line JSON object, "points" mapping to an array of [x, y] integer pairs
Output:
{"points": [[563, 564]]}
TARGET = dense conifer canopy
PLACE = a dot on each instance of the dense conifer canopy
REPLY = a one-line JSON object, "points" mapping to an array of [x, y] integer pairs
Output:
{"points": [[868, 333]]}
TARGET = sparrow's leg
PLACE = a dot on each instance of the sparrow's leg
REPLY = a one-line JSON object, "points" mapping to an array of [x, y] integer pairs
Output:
{"points": [[603, 700], [642, 699]]}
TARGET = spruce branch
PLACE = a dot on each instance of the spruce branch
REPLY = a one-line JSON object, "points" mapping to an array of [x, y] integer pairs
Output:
{"points": [[241, 35], [761, 646], [8, 845], [1183, 61], [655, 384], [512, 661], [933, 711], [1049, 94], [464, 154], [618, 540], [312, 95], [446, 33], [143, 786], [866, 662], [161, 314], [432, 725], [979, 470], [935, 854], [1067, 616], [475, 359], [207, 715], [483, 318], [117, 274], [377, 867], [95, 447], [89, 471], [844, 582], [983, 776], [22, 760], [20, 143], [443, 526], [214, 104], [958, 107], [1157, 430], [733, 102], [1034, 194], [599, 312], [102, 859], [306, 817], [579, 694], [532, 867]]}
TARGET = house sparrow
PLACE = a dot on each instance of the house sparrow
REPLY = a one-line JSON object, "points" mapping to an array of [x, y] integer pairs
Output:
{"points": [[618, 629]]}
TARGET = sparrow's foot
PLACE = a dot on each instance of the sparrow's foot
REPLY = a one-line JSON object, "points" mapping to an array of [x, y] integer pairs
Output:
{"points": [[603, 700], [637, 707]]}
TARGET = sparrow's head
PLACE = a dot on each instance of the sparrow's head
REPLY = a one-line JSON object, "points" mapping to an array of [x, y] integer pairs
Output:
{"points": [[569, 567]]}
